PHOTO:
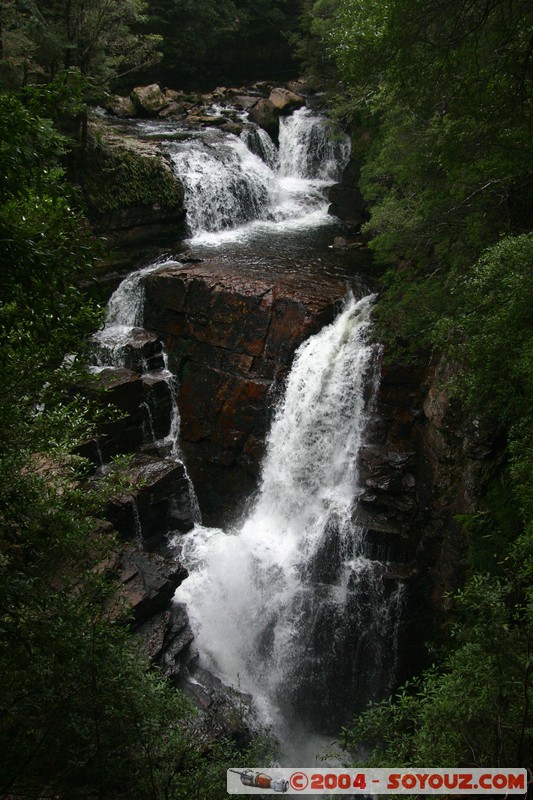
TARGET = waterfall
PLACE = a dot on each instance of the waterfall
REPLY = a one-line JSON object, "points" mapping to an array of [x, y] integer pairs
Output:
{"points": [[116, 345], [289, 603], [233, 183], [124, 317], [225, 183], [307, 149]]}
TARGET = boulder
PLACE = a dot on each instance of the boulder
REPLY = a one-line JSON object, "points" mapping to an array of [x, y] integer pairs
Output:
{"points": [[344, 243], [173, 109], [176, 109], [149, 100], [172, 95], [120, 106], [286, 101], [244, 101], [205, 119], [266, 115], [232, 127], [264, 87], [298, 87]]}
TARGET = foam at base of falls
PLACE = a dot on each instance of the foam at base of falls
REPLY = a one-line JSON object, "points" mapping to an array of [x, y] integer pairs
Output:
{"points": [[286, 603]]}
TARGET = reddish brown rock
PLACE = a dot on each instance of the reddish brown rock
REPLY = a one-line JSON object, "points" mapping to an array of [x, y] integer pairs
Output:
{"points": [[144, 400], [230, 337]]}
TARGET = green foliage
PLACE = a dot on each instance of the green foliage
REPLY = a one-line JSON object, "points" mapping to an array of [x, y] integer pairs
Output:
{"points": [[492, 531], [44, 251], [313, 57], [444, 90], [41, 37], [116, 179], [491, 336], [81, 713], [206, 41], [493, 330], [473, 710], [475, 707]]}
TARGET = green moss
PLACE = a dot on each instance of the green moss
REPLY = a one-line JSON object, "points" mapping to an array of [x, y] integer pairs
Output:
{"points": [[118, 179]]}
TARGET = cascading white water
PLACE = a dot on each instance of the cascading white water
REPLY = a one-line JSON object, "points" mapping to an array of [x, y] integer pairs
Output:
{"points": [[308, 149], [260, 144], [124, 316], [123, 326], [225, 183], [288, 605], [230, 181]]}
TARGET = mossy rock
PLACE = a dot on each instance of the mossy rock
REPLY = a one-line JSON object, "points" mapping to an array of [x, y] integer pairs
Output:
{"points": [[115, 179]]}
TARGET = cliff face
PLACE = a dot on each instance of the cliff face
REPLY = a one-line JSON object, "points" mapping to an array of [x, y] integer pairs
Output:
{"points": [[231, 339], [424, 465]]}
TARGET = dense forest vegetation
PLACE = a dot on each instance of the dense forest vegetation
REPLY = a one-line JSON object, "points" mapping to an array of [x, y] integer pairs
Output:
{"points": [[443, 94], [438, 98], [80, 709]]}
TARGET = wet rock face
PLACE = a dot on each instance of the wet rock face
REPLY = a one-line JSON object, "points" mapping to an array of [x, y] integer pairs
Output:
{"points": [[346, 200], [231, 339], [423, 465], [145, 403], [148, 582], [157, 500], [166, 639]]}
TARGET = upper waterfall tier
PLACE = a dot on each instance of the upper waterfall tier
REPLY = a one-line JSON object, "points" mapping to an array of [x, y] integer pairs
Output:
{"points": [[230, 181]]}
